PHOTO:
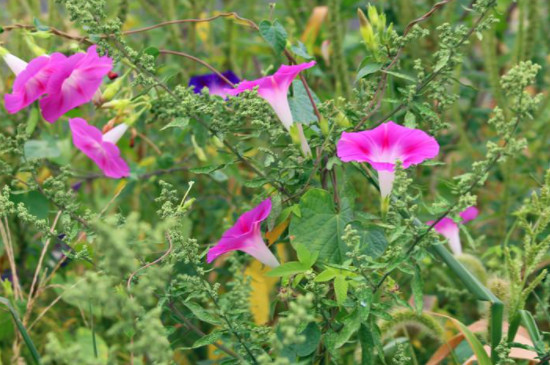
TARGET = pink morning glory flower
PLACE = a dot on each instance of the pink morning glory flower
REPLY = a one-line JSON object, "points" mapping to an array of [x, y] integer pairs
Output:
{"points": [[31, 80], [74, 82], [246, 236], [100, 148], [274, 90], [450, 230], [383, 146]]}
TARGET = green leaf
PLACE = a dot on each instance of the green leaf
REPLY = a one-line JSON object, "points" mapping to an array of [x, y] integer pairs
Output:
{"points": [[373, 238], [300, 105], [177, 123], [320, 227], [341, 289], [476, 346], [274, 33], [531, 326], [417, 285], [201, 313], [305, 256], [401, 76], [152, 51], [367, 70], [206, 169], [410, 120], [301, 51], [326, 275], [22, 330], [351, 325], [288, 269], [32, 122], [35, 149], [209, 339], [312, 336]]}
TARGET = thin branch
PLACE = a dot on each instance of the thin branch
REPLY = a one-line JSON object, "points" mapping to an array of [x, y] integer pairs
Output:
{"points": [[52, 30], [198, 331], [30, 301], [249, 22], [376, 101], [198, 60], [164, 255]]}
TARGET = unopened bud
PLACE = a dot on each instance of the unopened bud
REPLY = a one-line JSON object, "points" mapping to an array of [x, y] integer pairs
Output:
{"points": [[323, 124], [342, 120], [112, 89], [199, 152]]}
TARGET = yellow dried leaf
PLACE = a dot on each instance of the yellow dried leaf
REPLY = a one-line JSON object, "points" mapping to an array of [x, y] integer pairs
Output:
{"points": [[262, 287]]}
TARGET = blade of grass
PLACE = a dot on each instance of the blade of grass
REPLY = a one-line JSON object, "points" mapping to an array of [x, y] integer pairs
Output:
{"points": [[475, 345], [22, 330], [479, 291], [529, 323]]}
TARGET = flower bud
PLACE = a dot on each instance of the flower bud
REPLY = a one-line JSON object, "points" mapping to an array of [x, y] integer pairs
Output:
{"points": [[112, 89], [366, 30], [198, 150], [323, 124], [217, 142], [342, 120]]}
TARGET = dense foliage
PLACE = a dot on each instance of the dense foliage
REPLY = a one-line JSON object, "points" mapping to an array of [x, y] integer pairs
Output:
{"points": [[377, 252]]}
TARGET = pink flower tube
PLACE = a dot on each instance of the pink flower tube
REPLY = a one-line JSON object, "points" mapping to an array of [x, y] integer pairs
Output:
{"points": [[74, 82], [274, 90], [450, 229], [383, 146], [246, 236], [100, 148]]}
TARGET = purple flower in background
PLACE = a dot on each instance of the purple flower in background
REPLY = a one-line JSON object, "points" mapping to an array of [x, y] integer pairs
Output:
{"points": [[213, 82], [246, 236]]}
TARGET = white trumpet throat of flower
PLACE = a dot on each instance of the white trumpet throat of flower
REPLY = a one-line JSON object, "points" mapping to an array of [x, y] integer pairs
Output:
{"points": [[282, 109], [385, 182], [115, 134], [16, 64], [454, 241]]}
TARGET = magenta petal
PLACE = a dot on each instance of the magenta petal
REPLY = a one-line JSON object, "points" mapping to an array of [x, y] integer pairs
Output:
{"points": [[106, 155], [32, 82], [245, 235], [469, 214], [449, 229], [74, 82], [274, 89], [384, 145]]}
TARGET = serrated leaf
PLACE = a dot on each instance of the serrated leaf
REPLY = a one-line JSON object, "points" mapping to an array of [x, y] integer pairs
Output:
{"points": [[326, 275], [304, 255], [209, 339], [274, 33], [368, 70], [341, 289], [177, 123], [400, 75], [255, 183], [320, 227], [206, 169], [301, 51], [288, 269], [201, 313]]}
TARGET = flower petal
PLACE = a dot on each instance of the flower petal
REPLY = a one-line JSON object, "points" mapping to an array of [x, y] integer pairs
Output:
{"points": [[74, 82], [106, 155], [384, 145]]}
